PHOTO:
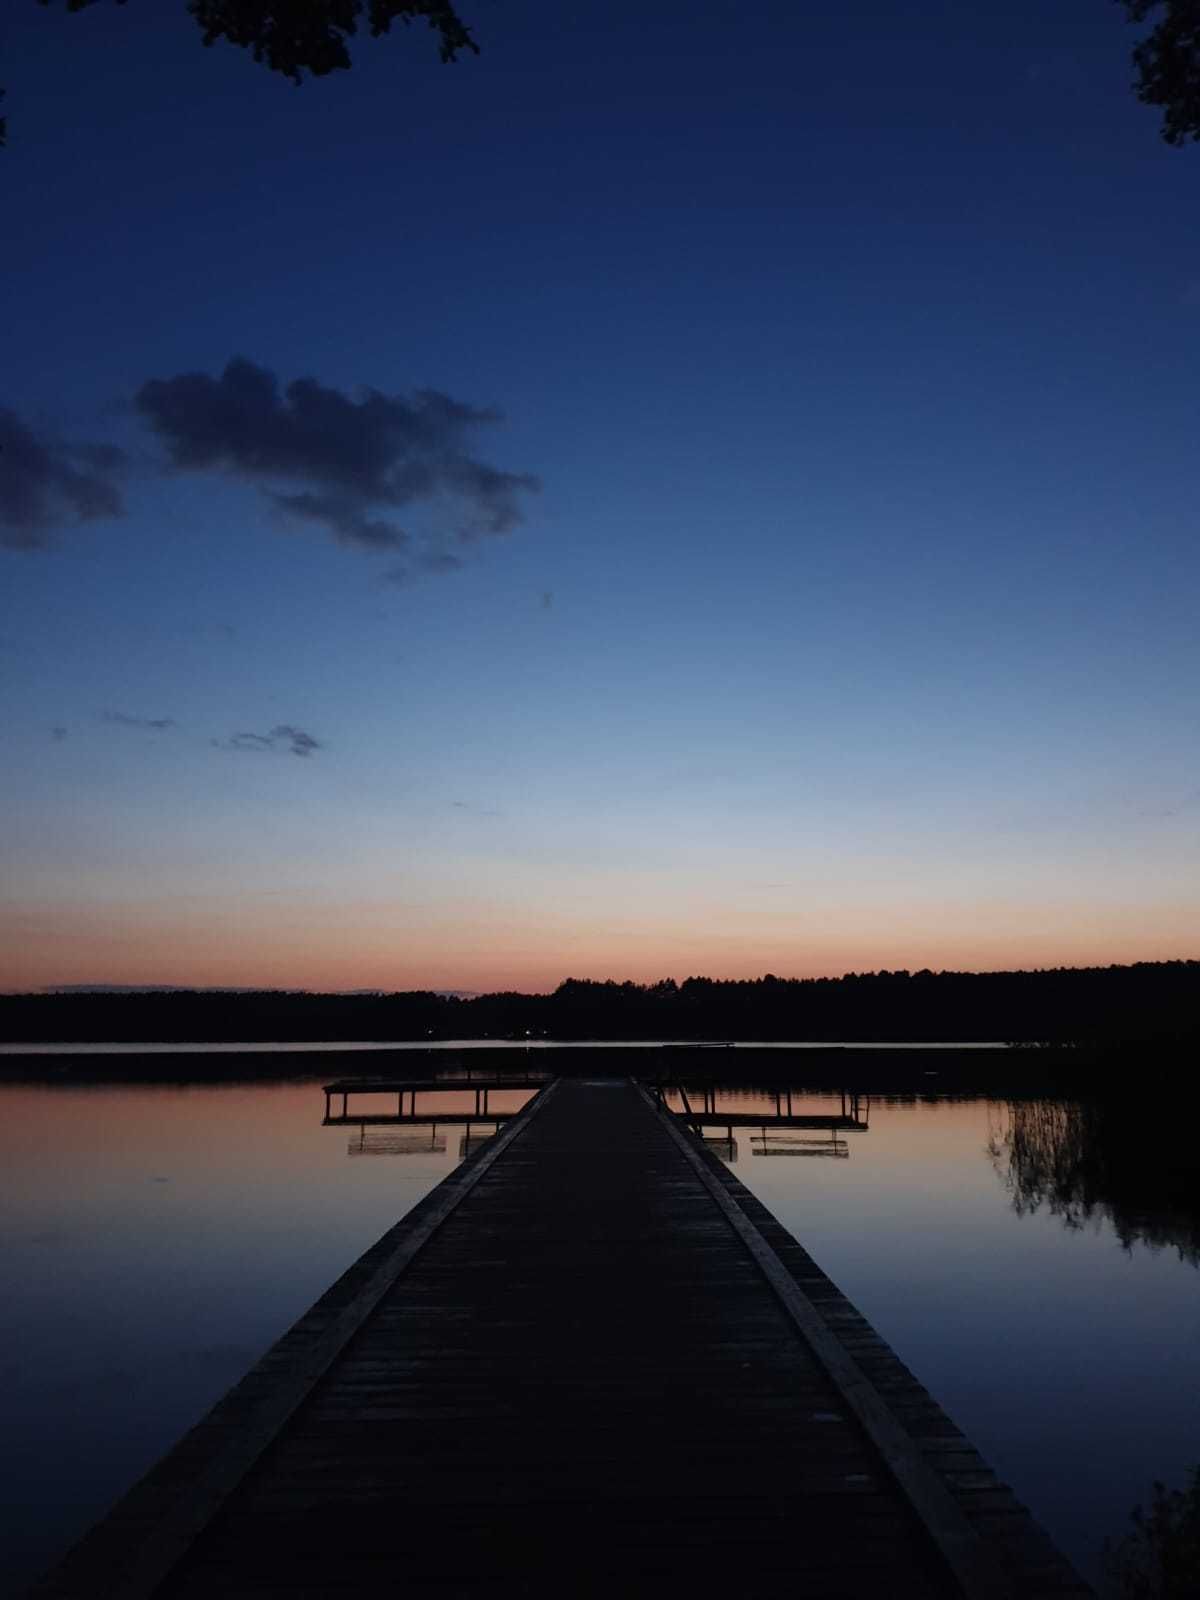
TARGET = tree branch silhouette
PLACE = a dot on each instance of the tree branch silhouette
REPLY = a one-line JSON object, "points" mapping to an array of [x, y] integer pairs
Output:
{"points": [[1168, 65], [295, 37]]}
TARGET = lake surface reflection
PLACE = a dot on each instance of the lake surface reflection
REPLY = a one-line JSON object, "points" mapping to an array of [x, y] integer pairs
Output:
{"points": [[1034, 1263]]}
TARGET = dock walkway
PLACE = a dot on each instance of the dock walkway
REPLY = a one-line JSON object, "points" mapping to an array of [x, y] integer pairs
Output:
{"points": [[587, 1364]]}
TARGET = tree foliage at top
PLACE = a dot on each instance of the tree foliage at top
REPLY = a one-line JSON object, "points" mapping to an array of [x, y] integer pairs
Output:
{"points": [[295, 37], [1168, 64], [298, 36]]}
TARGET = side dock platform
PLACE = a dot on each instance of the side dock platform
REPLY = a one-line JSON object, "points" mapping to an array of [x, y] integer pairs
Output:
{"points": [[588, 1363]]}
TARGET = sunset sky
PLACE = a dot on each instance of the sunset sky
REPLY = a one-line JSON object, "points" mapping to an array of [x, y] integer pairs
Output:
{"points": [[703, 487]]}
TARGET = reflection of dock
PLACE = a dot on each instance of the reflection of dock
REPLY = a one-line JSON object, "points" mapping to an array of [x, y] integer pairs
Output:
{"points": [[781, 1131], [764, 1143], [378, 1130], [723, 1145], [420, 1141], [587, 1363], [474, 1137]]}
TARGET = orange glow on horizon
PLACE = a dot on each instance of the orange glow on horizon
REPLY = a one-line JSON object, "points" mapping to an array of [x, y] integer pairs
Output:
{"points": [[368, 947]]}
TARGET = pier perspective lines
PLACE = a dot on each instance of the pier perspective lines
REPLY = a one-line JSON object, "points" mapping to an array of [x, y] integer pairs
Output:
{"points": [[588, 1363]]}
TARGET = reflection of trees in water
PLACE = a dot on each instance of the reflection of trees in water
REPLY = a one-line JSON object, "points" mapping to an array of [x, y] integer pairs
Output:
{"points": [[1131, 1162]]}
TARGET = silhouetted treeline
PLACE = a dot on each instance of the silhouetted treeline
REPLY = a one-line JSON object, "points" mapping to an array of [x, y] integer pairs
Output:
{"points": [[1155, 1003]]}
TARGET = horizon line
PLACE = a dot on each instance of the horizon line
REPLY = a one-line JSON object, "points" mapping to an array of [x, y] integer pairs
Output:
{"points": [[450, 992]]}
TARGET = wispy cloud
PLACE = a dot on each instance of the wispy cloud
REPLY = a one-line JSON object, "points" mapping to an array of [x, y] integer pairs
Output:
{"points": [[297, 741], [284, 737], [155, 724], [45, 482], [348, 464]]}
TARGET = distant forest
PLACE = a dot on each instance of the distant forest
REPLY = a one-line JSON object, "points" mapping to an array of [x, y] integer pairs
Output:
{"points": [[1155, 1002]]}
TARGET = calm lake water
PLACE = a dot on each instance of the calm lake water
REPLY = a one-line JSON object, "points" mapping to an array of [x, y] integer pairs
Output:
{"points": [[156, 1239]]}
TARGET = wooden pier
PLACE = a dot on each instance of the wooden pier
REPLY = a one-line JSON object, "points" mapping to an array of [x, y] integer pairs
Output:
{"points": [[588, 1363], [406, 1091]]}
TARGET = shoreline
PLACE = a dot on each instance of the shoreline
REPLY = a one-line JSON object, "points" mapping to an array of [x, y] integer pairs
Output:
{"points": [[921, 1069]]}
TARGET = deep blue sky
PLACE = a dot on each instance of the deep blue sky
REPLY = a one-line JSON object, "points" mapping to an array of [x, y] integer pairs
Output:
{"points": [[854, 623]]}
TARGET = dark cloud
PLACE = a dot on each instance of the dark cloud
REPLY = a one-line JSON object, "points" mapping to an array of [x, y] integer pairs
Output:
{"points": [[45, 482], [299, 742], [284, 736], [348, 523], [156, 724], [346, 464]]}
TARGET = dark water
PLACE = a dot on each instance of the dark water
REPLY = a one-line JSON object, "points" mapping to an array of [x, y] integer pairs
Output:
{"points": [[1035, 1264]]}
